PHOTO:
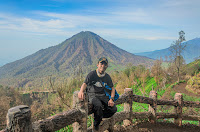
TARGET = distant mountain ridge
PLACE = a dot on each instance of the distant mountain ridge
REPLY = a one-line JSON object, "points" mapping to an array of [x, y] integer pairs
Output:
{"points": [[191, 51], [82, 49]]}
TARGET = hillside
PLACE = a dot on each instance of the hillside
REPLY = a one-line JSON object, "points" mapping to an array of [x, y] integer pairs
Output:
{"points": [[193, 84], [191, 52], [81, 50]]}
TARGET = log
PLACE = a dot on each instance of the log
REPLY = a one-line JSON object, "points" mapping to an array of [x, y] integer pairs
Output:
{"points": [[108, 123], [57, 121], [122, 99], [141, 115], [4, 130], [178, 110], [120, 116], [191, 104], [141, 99], [112, 123], [89, 129], [82, 105], [161, 115], [167, 102], [191, 117], [152, 107], [105, 125], [128, 106]]}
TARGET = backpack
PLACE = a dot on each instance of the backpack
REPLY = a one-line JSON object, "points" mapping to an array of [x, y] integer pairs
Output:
{"points": [[108, 91]]}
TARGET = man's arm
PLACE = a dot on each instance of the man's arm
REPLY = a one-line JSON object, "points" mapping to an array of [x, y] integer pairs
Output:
{"points": [[81, 92], [111, 102]]}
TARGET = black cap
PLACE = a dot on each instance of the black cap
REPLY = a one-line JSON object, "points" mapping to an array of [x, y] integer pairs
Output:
{"points": [[103, 59]]}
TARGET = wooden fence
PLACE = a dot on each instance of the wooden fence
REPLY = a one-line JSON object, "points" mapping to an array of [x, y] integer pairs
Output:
{"points": [[19, 118]]}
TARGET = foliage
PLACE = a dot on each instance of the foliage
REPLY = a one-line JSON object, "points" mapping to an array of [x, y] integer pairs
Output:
{"points": [[193, 84], [177, 49], [66, 89], [156, 71], [9, 97], [59, 98], [193, 67]]}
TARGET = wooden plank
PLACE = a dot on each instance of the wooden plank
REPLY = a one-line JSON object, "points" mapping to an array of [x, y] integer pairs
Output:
{"points": [[191, 104], [152, 107], [81, 125], [167, 102], [141, 115], [161, 115], [4, 130], [58, 121], [122, 99], [178, 109], [141, 99], [191, 117], [120, 116], [128, 106]]}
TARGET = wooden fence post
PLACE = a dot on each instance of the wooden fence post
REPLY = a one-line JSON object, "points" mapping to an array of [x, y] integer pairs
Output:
{"points": [[81, 125], [152, 108], [128, 105], [111, 126], [19, 119], [178, 110]]}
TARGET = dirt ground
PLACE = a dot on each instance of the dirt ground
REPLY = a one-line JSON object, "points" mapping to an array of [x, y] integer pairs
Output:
{"points": [[181, 89], [159, 127]]}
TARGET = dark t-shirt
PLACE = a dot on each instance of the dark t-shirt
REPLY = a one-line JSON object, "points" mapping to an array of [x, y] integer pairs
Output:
{"points": [[93, 83]]}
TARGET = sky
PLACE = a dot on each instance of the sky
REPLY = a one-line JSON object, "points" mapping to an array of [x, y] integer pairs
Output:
{"points": [[27, 26]]}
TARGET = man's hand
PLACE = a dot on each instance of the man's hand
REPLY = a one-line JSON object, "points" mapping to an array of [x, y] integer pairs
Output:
{"points": [[111, 103], [81, 95]]}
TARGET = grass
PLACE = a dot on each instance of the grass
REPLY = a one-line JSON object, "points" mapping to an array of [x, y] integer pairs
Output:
{"points": [[66, 129], [149, 83]]}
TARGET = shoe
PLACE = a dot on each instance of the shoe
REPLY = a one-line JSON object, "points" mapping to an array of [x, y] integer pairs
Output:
{"points": [[95, 128], [101, 123]]}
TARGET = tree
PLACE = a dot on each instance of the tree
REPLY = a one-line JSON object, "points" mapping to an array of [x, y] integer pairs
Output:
{"points": [[177, 49], [157, 71]]}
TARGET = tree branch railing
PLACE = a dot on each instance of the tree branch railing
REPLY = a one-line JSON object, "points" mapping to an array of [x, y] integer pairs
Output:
{"points": [[19, 117]]}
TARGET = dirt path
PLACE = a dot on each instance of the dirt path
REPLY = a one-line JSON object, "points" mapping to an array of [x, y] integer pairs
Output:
{"points": [[180, 88], [159, 127], [164, 127]]}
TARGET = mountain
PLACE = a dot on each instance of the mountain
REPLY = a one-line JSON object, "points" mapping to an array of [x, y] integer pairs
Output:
{"points": [[81, 50], [190, 53], [2, 62]]}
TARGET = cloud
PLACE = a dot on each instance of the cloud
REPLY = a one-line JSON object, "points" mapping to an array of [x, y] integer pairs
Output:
{"points": [[29, 25], [133, 34], [150, 22]]}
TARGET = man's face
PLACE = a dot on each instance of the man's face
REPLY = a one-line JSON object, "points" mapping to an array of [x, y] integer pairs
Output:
{"points": [[102, 66]]}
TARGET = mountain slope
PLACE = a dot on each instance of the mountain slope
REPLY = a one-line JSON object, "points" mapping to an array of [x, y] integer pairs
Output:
{"points": [[82, 49], [190, 53]]}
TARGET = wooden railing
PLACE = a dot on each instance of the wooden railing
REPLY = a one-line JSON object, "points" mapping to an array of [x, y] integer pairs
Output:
{"points": [[19, 118]]}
